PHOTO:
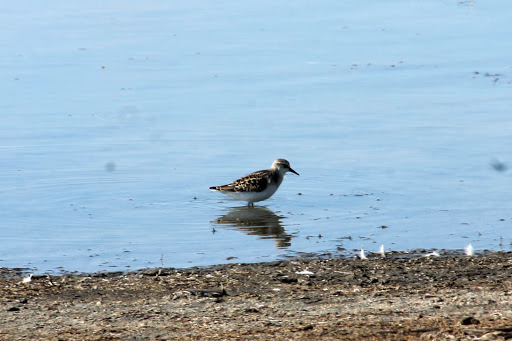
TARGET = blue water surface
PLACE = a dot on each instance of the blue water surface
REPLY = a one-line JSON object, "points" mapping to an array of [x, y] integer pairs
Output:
{"points": [[117, 116]]}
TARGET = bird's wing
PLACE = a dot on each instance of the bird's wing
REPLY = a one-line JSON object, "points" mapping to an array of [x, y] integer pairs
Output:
{"points": [[254, 182]]}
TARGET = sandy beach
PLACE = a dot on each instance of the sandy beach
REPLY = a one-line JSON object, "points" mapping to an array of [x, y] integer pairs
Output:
{"points": [[400, 297]]}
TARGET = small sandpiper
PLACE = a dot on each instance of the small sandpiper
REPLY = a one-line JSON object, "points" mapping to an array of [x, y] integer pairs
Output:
{"points": [[257, 186]]}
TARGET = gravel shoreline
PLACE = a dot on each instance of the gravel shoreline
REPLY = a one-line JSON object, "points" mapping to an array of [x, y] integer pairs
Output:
{"points": [[392, 298]]}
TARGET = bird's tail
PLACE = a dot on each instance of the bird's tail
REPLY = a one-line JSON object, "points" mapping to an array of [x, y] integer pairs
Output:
{"points": [[221, 188]]}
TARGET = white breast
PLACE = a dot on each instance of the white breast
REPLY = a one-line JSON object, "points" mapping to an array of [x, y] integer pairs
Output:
{"points": [[254, 196]]}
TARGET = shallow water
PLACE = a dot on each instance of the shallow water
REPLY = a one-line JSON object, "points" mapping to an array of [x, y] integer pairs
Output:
{"points": [[117, 118]]}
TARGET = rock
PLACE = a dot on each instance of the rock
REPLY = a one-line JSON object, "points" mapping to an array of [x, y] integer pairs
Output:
{"points": [[469, 320]]}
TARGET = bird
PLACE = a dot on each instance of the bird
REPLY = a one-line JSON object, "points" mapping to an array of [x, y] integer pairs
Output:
{"points": [[257, 186]]}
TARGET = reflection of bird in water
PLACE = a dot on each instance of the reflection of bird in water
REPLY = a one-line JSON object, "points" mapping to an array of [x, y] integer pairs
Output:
{"points": [[257, 186], [258, 221]]}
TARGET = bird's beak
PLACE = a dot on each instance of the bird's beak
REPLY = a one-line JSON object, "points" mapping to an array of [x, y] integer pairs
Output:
{"points": [[291, 170]]}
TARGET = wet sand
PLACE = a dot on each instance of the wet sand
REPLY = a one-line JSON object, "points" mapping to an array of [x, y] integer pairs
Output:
{"points": [[400, 297]]}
